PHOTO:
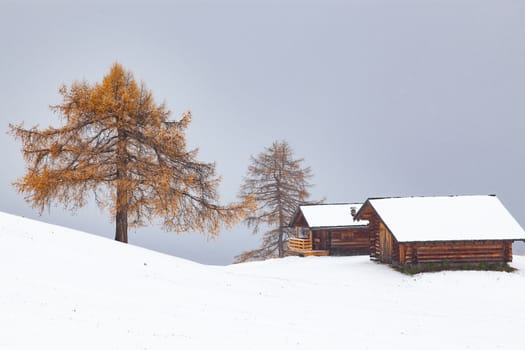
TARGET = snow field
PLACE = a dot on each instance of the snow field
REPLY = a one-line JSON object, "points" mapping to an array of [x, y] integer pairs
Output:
{"points": [[64, 289]]}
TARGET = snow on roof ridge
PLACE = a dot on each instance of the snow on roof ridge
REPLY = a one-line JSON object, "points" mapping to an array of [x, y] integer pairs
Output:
{"points": [[338, 203], [331, 215], [436, 196]]}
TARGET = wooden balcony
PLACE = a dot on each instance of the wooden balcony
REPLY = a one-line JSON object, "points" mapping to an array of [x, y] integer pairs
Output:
{"points": [[298, 244], [303, 247]]}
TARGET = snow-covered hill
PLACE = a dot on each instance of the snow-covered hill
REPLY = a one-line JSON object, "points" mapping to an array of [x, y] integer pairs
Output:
{"points": [[64, 289]]}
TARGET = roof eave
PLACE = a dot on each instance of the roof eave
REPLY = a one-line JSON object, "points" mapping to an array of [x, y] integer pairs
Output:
{"points": [[315, 228], [462, 240]]}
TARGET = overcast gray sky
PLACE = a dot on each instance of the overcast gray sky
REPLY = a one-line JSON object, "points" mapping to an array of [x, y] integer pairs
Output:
{"points": [[381, 98]]}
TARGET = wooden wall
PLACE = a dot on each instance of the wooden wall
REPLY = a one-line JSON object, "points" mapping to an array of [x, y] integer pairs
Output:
{"points": [[342, 241], [368, 213], [386, 249], [455, 252]]}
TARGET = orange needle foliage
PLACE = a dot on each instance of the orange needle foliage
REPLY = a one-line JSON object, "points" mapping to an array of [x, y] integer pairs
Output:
{"points": [[118, 144]]}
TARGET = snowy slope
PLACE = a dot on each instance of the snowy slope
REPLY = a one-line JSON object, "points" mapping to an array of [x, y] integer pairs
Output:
{"points": [[64, 289]]}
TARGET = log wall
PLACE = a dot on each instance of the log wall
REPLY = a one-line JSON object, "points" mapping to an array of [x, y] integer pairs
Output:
{"points": [[375, 249], [347, 241], [455, 252]]}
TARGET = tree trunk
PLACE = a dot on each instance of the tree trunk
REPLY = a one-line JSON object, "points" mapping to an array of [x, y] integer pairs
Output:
{"points": [[280, 242], [277, 176], [121, 218]]}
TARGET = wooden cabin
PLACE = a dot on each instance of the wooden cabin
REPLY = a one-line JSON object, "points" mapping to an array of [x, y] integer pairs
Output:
{"points": [[453, 229], [329, 229]]}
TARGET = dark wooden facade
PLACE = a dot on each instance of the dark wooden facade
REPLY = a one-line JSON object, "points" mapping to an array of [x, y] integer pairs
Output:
{"points": [[344, 240], [385, 248], [341, 241]]}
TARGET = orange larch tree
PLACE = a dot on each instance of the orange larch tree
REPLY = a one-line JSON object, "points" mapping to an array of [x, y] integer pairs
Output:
{"points": [[120, 146]]}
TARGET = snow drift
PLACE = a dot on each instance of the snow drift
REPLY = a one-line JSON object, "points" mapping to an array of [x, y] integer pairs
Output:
{"points": [[64, 289]]}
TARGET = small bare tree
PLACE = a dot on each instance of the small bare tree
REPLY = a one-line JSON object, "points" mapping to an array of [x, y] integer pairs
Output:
{"points": [[118, 144], [279, 184]]}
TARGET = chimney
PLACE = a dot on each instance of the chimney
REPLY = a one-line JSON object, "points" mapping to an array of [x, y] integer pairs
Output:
{"points": [[352, 211]]}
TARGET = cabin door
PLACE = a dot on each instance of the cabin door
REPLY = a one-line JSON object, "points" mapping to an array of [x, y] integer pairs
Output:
{"points": [[385, 244], [325, 240]]}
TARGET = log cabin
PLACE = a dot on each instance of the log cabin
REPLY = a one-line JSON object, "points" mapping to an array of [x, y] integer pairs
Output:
{"points": [[453, 229], [329, 229]]}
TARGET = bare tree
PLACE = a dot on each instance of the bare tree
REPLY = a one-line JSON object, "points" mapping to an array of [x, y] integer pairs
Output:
{"points": [[118, 144], [279, 184]]}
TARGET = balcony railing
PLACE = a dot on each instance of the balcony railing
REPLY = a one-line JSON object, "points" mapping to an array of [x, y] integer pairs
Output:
{"points": [[300, 244]]}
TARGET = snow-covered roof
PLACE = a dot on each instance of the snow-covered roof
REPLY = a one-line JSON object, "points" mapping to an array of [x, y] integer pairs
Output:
{"points": [[331, 215], [447, 218]]}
